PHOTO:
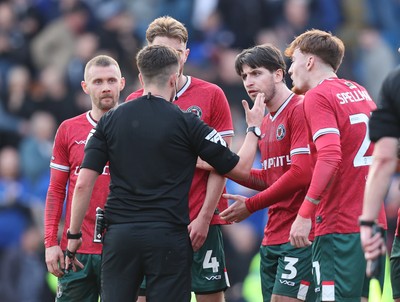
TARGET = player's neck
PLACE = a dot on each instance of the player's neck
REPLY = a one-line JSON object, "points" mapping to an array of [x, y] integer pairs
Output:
{"points": [[280, 97], [319, 77], [160, 92], [182, 81], [96, 114]]}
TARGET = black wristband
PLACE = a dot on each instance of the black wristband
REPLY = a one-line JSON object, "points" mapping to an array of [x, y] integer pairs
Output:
{"points": [[74, 236], [369, 223], [69, 254]]}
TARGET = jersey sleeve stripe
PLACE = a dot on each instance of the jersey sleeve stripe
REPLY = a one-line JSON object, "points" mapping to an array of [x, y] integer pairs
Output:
{"points": [[300, 151], [227, 133], [324, 131], [59, 167]]}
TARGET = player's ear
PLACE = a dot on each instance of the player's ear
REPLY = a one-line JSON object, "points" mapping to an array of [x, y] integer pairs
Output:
{"points": [[122, 84], [279, 75], [84, 87], [187, 51], [310, 62], [141, 80]]}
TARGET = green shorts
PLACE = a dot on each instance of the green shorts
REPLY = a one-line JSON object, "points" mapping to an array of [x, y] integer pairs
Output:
{"points": [[209, 273], [395, 268], [339, 268], [286, 271], [82, 285], [209, 268]]}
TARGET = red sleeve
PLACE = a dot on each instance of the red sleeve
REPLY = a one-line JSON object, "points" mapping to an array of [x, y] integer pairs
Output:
{"points": [[296, 178], [329, 158], [255, 180], [54, 206]]}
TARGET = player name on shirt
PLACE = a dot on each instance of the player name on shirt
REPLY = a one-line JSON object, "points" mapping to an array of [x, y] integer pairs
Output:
{"points": [[353, 96]]}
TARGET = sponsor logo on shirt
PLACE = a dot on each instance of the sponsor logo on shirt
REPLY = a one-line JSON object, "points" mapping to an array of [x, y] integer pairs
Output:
{"points": [[277, 161]]}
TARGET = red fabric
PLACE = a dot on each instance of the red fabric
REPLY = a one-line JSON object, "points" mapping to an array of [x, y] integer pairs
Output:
{"points": [[307, 209], [53, 210], [68, 153], [255, 181], [296, 178], [328, 160], [342, 108]]}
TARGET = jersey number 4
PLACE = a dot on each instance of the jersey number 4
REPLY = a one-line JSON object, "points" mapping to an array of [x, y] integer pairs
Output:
{"points": [[210, 262]]}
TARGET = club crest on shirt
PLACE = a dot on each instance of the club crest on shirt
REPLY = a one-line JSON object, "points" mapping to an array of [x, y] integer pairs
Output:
{"points": [[280, 132], [196, 110]]}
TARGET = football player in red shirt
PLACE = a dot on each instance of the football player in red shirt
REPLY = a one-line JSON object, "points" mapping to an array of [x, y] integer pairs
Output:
{"points": [[103, 82], [337, 113], [286, 271]]}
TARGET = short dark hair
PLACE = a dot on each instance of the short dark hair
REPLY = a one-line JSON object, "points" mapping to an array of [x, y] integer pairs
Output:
{"points": [[265, 55], [329, 48], [157, 63]]}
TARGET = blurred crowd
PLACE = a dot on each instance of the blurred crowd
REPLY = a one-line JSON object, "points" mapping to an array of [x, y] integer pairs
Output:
{"points": [[45, 44]]}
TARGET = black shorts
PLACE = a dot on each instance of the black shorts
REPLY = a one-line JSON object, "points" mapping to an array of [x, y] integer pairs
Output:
{"points": [[158, 250]]}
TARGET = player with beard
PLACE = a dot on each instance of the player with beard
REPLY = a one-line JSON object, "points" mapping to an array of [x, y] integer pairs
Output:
{"points": [[337, 113], [283, 180], [103, 82]]}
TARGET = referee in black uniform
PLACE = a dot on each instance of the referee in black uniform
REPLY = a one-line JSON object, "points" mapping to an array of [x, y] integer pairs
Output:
{"points": [[384, 130], [152, 149]]}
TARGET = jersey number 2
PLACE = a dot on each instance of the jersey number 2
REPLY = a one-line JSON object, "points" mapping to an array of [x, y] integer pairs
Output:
{"points": [[360, 159]]}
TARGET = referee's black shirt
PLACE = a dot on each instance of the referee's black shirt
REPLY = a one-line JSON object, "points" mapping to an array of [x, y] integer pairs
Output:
{"points": [[385, 121], [152, 148]]}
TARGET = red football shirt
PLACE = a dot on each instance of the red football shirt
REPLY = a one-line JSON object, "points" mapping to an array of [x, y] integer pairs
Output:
{"points": [[342, 107], [209, 103], [68, 152], [282, 138]]}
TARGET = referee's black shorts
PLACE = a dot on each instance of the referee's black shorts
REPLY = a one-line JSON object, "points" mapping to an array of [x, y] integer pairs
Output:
{"points": [[160, 251]]}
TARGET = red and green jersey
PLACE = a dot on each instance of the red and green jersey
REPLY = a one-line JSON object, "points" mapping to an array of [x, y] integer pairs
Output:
{"points": [[68, 152], [282, 139], [209, 103], [342, 107]]}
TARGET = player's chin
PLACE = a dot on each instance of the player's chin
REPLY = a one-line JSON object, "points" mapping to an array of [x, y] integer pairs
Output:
{"points": [[297, 90], [107, 104]]}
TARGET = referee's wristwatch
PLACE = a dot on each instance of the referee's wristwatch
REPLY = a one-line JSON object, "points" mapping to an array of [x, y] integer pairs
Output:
{"points": [[256, 130]]}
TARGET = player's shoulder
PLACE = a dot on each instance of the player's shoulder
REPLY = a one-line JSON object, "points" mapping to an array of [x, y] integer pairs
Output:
{"points": [[199, 83], [297, 99], [74, 121], [295, 105], [134, 95]]}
